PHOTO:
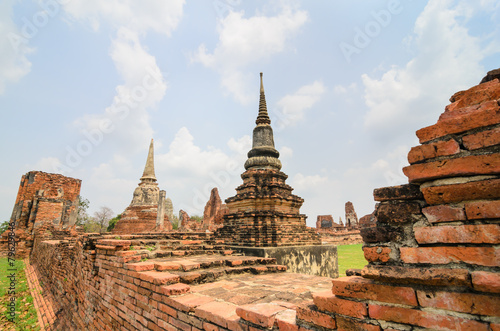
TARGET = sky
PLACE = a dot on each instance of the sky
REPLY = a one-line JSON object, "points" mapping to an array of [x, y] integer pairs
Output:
{"points": [[86, 84]]}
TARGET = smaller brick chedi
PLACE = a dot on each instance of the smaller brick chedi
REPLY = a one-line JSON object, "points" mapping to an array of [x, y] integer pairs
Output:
{"points": [[147, 210], [264, 212]]}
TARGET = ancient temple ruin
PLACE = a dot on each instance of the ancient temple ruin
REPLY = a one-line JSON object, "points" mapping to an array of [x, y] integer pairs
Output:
{"points": [[431, 245], [148, 208]]}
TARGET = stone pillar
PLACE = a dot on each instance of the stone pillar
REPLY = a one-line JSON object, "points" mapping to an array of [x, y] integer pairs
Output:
{"points": [[160, 214]]}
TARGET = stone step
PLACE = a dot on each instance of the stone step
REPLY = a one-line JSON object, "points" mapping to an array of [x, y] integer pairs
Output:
{"points": [[201, 269]]}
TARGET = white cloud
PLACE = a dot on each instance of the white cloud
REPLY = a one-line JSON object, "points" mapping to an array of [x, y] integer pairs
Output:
{"points": [[407, 98], [127, 119], [243, 41], [291, 108], [241, 145], [13, 48], [301, 182], [141, 16]]}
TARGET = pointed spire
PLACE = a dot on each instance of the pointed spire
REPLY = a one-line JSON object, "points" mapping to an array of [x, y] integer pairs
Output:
{"points": [[263, 155], [263, 117], [149, 170]]}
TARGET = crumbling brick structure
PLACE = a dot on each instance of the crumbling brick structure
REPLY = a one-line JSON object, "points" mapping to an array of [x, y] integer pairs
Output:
{"points": [[432, 245], [351, 218], [42, 197], [214, 211]]}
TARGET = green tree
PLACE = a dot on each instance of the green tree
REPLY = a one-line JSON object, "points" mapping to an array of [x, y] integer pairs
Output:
{"points": [[113, 221], [102, 217], [175, 222], [4, 226], [82, 216], [196, 218]]}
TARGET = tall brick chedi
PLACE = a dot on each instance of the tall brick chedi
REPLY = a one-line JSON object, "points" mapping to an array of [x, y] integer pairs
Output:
{"points": [[264, 212], [145, 212]]}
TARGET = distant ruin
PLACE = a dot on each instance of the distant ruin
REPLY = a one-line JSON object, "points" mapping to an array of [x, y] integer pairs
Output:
{"points": [[432, 247], [338, 233], [148, 209]]}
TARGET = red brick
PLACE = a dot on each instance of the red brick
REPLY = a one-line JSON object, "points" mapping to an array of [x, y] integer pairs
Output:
{"points": [[470, 303], [286, 320], [432, 150], [485, 256], [478, 94], [444, 213], [485, 281], [346, 324], [326, 301], [462, 166], [188, 265], [397, 212], [210, 327], [482, 139], [377, 254], [168, 310], [410, 275], [262, 314], [175, 289], [217, 312], [114, 242], [459, 234], [482, 209], [451, 110], [362, 288], [140, 266], [399, 192], [161, 266], [495, 326], [159, 278], [484, 189], [477, 119], [188, 302], [423, 318], [315, 317], [179, 324]]}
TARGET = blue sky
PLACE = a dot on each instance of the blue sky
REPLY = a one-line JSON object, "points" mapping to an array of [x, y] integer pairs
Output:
{"points": [[85, 85]]}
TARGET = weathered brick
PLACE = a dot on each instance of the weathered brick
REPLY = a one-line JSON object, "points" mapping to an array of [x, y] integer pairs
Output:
{"points": [[482, 209], [485, 256], [310, 315], [470, 303], [377, 254], [140, 266], [175, 289], [262, 314], [482, 139], [444, 213], [286, 320], [400, 192], [397, 212], [476, 190], [159, 278], [478, 119], [188, 302], [459, 234], [326, 301], [362, 288], [432, 150], [463, 166], [423, 318], [485, 281], [346, 324], [217, 312], [411, 275]]}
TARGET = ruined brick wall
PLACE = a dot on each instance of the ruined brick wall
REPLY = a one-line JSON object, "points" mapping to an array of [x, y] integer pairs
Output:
{"points": [[42, 197], [432, 245], [324, 222]]}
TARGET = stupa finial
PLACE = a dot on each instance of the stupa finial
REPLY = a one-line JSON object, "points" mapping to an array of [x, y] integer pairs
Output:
{"points": [[149, 170], [263, 155]]}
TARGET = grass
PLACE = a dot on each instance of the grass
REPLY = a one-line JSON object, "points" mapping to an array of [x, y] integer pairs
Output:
{"points": [[26, 318], [350, 256]]}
